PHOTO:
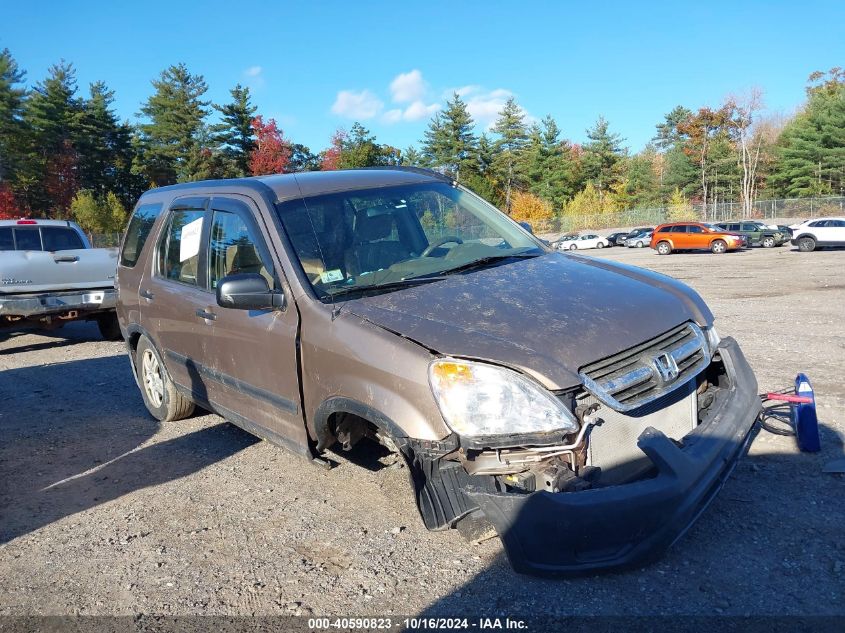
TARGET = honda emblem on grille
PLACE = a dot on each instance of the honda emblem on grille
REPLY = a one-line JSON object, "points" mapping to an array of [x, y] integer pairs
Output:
{"points": [[666, 367]]}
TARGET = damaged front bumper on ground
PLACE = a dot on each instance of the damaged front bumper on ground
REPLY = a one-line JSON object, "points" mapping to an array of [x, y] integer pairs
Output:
{"points": [[574, 532]]}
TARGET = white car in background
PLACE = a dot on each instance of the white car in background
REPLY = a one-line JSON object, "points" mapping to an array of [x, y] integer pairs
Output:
{"points": [[581, 242], [812, 234]]}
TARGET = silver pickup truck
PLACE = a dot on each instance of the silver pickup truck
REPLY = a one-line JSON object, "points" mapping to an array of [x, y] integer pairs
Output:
{"points": [[49, 275]]}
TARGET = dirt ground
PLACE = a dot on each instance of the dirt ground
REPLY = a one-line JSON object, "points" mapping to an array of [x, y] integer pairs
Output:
{"points": [[105, 511]]}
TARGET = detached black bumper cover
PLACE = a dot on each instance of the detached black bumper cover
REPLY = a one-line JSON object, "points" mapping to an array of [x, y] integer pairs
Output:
{"points": [[557, 534]]}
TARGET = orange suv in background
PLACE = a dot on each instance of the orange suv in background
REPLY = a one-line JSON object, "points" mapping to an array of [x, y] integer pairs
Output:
{"points": [[693, 236]]}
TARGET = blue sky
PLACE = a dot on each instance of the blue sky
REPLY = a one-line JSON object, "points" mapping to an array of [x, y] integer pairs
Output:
{"points": [[317, 66]]}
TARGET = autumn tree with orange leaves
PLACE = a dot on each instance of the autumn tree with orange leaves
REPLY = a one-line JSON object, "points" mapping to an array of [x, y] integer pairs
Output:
{"points": [[271, 154]]}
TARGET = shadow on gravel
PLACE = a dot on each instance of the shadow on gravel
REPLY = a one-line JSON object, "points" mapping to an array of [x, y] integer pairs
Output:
{"points": [[769, 544], [71, 440], [70, 334]]}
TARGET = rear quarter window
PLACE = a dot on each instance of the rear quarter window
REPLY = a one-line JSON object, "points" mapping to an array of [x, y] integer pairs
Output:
{"points": [[59, 238], [137, 233]]}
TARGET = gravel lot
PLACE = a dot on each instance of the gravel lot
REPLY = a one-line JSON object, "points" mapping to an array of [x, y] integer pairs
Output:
{"points": [[104, 511]]}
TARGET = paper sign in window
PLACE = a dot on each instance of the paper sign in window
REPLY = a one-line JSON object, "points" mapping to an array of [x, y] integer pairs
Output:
{"points": [[189, 241]]}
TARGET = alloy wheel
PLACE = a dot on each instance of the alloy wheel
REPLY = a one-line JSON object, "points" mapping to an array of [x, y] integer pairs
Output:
{"points": [[152, 377]]}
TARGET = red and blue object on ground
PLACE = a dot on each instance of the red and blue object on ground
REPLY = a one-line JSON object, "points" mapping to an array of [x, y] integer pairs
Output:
{"points": [[803, 418]]}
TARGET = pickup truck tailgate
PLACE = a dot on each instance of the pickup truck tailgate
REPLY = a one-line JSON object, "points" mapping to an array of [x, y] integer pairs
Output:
{"points": [[42, 271]]}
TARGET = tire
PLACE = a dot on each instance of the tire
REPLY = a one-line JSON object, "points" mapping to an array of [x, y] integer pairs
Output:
{"points": [[768, 241], [600, 245], [718, 247], [664, 248], [157, 389], [573, 247], [640, 244], [806, 244], [109, 327]]}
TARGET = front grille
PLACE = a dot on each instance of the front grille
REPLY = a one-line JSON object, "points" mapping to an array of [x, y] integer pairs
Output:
{"points": [[644, 373]]}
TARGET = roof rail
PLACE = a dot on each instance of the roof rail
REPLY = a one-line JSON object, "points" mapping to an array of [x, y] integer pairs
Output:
{"points": [[425, 171]]}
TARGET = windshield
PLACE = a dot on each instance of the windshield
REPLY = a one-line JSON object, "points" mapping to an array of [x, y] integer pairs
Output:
{"points": [[385, 237]]}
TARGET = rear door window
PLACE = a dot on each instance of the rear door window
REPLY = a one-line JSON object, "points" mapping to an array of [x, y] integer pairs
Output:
{"points": [[28, 239], [137, 233], [60, 238], [179, 253], [7, 241], [694, 228]]}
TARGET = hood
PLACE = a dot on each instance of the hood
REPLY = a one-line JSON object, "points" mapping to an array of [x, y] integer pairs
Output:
{"points": [[547, 316]]}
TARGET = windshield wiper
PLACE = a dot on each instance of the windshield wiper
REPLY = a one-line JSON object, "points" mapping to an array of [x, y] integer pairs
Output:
{"points": [[391, 285], [484, 261]]}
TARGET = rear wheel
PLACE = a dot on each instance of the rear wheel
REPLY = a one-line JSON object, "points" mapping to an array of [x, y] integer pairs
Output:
{"points": [[640, 244], [160, 396], [718, 247], [600, 245], [664, 248], [109, 327], [768, 241], [573, 247], [806, 244]]}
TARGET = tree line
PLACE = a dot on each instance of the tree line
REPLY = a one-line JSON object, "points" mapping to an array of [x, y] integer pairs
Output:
{"points": [[66, 153]]}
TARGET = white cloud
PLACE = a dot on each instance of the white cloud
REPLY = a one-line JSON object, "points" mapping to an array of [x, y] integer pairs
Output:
{"points": [[361, 105], [418, 110], [408, 87], [254, 77], [484, 105]]}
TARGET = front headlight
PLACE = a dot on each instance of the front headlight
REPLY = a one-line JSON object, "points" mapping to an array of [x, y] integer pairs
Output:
{"points": [[477, 399], [713, 338]]}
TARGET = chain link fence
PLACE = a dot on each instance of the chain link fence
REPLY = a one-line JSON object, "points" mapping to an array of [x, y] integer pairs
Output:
{"points": [[718, 212], [104, 240]]}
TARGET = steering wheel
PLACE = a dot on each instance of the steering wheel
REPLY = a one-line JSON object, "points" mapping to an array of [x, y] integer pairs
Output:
{"points": [[438, 243]]}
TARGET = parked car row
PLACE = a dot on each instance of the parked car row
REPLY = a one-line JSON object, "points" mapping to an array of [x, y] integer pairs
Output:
{"points": [[717, 238]]}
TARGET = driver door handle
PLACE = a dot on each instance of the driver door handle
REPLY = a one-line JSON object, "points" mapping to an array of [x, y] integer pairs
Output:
{"points": [[206, 315]]}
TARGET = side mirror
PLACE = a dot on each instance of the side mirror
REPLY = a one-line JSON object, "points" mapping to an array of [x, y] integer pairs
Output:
{"points": [[248, 291], [527, 227]]}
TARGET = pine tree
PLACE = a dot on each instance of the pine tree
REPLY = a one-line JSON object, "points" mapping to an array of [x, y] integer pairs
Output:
{"points": [[667, 135], [105, 148], [602, 156], [411, 157], [513, 138], [176, 116], [302, 159], [53, 115], [449, 142], [548, 166], [641, 185], [234, 134], [811, 155], [12, 129]]}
